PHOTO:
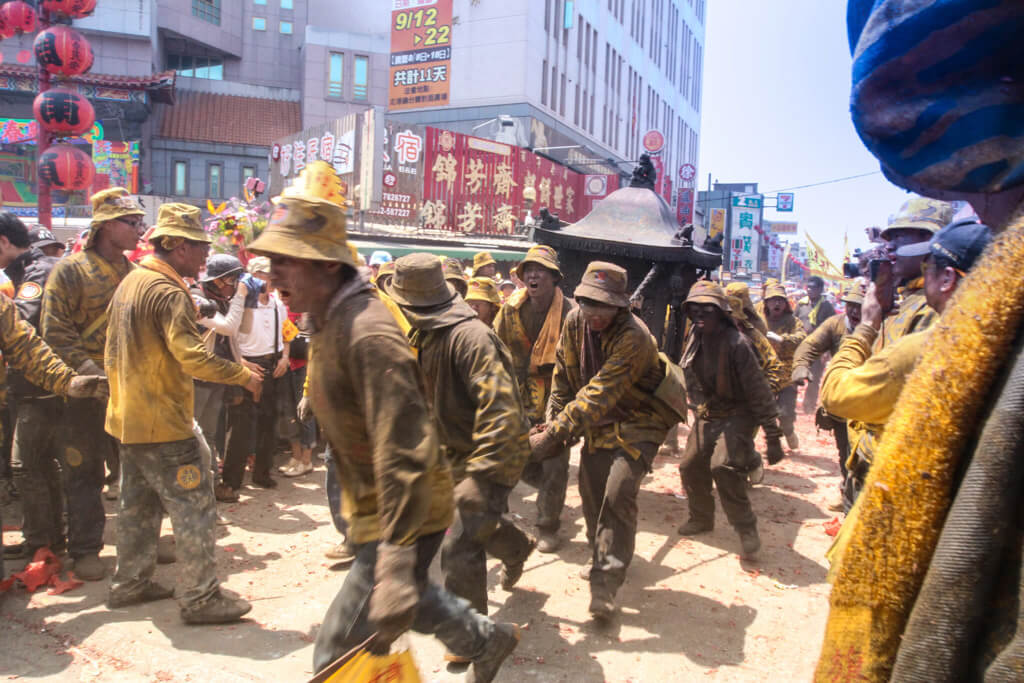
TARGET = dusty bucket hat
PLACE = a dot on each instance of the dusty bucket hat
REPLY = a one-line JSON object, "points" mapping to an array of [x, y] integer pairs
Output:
{"points": [[773, 291], [483, 289], [853, 294], [309, 221], [605, 283], [114, 202], [419, 280], [707, 292], [483, 258], [920, 213], [179, 220], [540, 254]]}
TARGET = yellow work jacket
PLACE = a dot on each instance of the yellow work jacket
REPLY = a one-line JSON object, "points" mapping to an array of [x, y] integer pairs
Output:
{"points": [[153, 351]]}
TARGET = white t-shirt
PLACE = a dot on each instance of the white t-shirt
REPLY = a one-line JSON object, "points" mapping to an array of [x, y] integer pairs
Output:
{"points": [[259, 339]]}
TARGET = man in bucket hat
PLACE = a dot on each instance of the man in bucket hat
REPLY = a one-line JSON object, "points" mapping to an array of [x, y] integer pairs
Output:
{"points": [[530, 323], [825, 340], [785, 332], [484, 265], [606, 373], [481, 424], [153, 352], [729, 408], [483, 298], [74, 324], [367, 393]]}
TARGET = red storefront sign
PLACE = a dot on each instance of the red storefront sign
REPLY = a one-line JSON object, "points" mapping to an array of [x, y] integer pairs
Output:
{"points": [[474, 185], [684, 208]]}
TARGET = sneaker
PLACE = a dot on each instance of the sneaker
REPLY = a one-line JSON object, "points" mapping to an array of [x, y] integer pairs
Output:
{"points": [[792, 441], [292, 462], [113, 491], [221, 519], [602, 604], [218, 609], [266, 482], [695, 526], [90, 568], [341, 554], [504, 639], [756, 475], [298, 469], [225, 493], [548, 541], [750, 542], [511, 573], [150, 592]]}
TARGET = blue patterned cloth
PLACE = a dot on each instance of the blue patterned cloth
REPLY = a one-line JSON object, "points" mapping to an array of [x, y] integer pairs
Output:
{"points": [[938, 91]]}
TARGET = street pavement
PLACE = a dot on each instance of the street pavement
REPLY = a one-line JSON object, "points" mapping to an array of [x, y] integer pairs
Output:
{"points": [[690, 609]]}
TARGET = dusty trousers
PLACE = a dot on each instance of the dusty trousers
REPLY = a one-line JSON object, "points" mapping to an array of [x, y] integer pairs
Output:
{"points": [[480, 529], [170, 476], [252, 429], [787, 409], [346, 623], [36, 461], [551, 479], [609, 483], [85, 447], [720, 451]]}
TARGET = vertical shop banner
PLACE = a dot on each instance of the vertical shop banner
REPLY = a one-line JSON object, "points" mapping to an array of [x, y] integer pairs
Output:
{"points": [[421, 54], [475, 186], [402, 150], [684, 209], [116, 164], [717, 224], [333, 142], [745, 237]]}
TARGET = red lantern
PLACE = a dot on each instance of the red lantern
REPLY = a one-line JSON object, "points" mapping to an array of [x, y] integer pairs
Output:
{"points": [[16, 18], [66, 167], [64, 111], [63, 50], [72, 8]]}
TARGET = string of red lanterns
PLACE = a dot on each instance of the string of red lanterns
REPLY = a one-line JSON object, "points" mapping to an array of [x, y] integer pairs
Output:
{"points": [[61, 111]]}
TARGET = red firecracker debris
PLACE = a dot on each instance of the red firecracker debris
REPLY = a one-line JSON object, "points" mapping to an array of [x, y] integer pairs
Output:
{"points": [[832, 526]]}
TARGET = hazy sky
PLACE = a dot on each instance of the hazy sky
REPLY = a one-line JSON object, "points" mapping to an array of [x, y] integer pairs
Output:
{"points": [[776, 112]]}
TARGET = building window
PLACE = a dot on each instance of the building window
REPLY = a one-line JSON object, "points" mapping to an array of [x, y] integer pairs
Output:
{"points": [[360, 77], [335, 69], [259, 2], [286, 4], [285, 27], [544, 83], [180, 178], [211, 68], [259, 24], [248, 172], [207, 10], [213, 180]]}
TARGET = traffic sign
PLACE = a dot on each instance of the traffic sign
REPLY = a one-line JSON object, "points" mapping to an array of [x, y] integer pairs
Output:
{"points": [[784, 202]]}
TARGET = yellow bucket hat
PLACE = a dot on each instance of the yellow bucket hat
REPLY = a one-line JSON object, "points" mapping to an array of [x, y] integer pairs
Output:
{"points": [[540, 254], [308, 221], [179, 220], [114, 202], [772, 291], [605, 283], [483, 289], [481, 259], [921, 213], [853, 294]]}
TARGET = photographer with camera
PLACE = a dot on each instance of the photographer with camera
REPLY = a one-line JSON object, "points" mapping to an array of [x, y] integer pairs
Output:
{"points": [[862, 385]]}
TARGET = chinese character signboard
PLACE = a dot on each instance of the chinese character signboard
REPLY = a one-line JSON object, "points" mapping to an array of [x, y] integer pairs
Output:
{"points": [[402, 174], [684, 209], [117, 165], [784, 202], [745, 233], [333, 142], [421, 53], [473, 185]]}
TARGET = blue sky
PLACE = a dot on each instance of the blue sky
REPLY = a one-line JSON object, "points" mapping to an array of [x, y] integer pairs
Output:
{"points": [[776, 112]]}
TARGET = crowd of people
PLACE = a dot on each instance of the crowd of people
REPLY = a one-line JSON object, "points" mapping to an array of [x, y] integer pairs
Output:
{"points": [[183, 370]]}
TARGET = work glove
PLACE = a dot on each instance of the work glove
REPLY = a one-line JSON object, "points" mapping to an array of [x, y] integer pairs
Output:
{"points": [[90, 367], [396, 595], [543, 446], [801, 374], [305, 409], [772, 336], [774, 450], [89, 386]]}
